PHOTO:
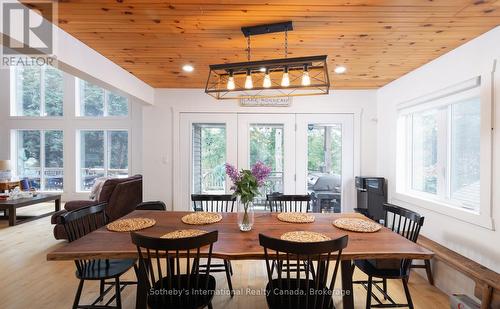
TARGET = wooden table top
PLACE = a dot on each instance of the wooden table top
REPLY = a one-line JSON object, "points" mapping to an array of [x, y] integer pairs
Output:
{"points": [[236, 245]]}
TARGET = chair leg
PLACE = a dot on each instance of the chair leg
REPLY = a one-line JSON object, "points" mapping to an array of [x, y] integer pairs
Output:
{"points": [[78, 294], [118, 293], [228, 276], [369, 293], [230, 267], [384, 288], [407, 292], [429, 272]]}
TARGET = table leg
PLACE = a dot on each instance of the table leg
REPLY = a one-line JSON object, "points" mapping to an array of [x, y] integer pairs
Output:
{"points": [[348, 298], [12, 216], [57, 203]]}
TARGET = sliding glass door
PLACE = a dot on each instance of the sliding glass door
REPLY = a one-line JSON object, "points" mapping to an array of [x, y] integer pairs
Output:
{"points": [[269, 138], [325, 160], [308, 153]]}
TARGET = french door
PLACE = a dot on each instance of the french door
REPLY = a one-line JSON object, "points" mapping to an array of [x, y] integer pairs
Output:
{"points": [[308, 153]]}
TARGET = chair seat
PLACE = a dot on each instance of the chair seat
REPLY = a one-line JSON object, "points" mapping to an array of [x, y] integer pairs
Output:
{"points": [[179, 296], [98, 269], [370, 269], [277, 296]]}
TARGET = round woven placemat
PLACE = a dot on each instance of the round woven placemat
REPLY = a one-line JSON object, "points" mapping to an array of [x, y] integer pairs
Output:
{"points": [[295, 217], [200, 218], [129, 225], [183, 234], [357, 225], [303, 236]]}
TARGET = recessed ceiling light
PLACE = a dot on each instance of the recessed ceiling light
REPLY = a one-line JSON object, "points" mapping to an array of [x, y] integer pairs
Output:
{"points": [[262, 69], [340, 69], [187, 68]]}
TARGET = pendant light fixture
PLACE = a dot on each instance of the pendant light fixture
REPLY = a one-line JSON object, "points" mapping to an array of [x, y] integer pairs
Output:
{"points": [[269, 78]]}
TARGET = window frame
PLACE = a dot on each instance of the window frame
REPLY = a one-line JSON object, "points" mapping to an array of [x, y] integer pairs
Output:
{"points": [[15, 155], [15, 110], [479, 86], [105, 111], [78, 175]]}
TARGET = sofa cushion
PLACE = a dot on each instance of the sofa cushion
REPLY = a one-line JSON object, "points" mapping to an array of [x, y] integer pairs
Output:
{"points": [[109, 187]]}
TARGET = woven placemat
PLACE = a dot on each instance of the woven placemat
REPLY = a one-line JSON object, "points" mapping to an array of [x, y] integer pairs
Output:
{"points": [[295, 217], [129, 225], [200, 218], [183, 234], [304, 236], [357, 225]]}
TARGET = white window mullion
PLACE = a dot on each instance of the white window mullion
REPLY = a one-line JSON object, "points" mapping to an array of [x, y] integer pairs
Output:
{"points": [[105, 111], [42, 160], [106, 152], [42, 92], [442, 152]]}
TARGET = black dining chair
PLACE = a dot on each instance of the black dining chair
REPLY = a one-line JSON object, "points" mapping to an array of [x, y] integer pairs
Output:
{"points": [[79, 223], [407, 223], [166, 277], [289, 203], [296, 290], [151, 205], [217, 203]]}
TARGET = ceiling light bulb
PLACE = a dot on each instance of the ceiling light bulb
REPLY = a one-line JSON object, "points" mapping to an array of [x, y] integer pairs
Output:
{"points": [[262, 70], [267, 80], [187, 68], [306, 80], [285, 80], [248, 81], [230, 82], [340, 69]]}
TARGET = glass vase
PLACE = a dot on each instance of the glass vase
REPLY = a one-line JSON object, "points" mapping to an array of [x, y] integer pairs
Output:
{"points": [[245, 215]]}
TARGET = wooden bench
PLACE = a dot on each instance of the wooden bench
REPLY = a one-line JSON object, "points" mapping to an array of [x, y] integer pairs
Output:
{"points": [[487, 281]]}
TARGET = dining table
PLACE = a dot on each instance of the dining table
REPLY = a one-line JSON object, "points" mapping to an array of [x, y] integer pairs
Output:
{"points": [[234, 244]]}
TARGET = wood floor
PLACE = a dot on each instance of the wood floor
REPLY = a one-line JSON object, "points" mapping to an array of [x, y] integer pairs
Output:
{"points": [[29, 281]]}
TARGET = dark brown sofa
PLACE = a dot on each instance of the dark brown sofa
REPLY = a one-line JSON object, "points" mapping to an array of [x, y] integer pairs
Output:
{"points": [[121, 194]]}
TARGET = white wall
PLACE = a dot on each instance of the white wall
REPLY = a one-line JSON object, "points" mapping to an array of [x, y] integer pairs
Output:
{"points": [[467, 61], [69, 123], [158, 128]]}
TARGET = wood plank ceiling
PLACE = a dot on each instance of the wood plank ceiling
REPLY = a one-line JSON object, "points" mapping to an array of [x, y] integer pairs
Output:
{"points": [[378, 41]]}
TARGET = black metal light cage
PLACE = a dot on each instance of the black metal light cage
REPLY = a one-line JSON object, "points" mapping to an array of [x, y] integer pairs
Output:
{"points": [[315, 66]]}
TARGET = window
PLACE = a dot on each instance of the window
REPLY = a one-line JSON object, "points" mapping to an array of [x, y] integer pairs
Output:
{"points": [[38, 91], [39, 155], [102, 153], [442, 149], [98, 102], [209, 158]]}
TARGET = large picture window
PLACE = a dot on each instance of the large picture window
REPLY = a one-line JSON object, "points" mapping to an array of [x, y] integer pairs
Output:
{"points": [[98, 102], [39, 156], [442, 150], [102, 153], [38, 91]]}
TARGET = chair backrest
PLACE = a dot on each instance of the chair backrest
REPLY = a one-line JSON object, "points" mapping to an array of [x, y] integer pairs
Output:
{"points": [[403, 221], [80, 222], [289, 203], [213, 202], [160, 267], [151, 205], [317, 290]]}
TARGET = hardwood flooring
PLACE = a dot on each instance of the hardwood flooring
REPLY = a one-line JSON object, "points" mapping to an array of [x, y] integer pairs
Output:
{"points": [[30, 281]]}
